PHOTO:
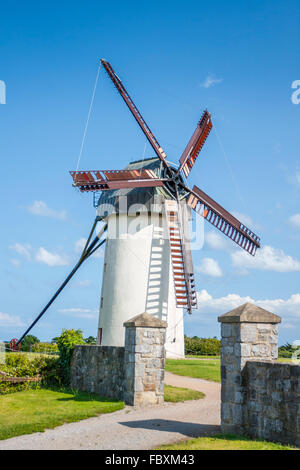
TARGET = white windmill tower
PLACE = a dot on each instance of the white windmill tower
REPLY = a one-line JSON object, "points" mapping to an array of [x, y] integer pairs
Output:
{"points": [[145, 209]]}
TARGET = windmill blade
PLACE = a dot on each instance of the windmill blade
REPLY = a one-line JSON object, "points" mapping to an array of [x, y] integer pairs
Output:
{"points": [[196, 142], [223, 220], [181, 259], [104, 180], [135, 112]]}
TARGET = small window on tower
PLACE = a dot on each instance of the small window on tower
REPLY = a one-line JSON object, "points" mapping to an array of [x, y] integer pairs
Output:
{"points": [[101, 303]]}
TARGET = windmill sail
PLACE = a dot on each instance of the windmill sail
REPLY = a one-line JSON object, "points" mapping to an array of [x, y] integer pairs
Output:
{"points": [[104, 180], [223, 220], [195, 144]]}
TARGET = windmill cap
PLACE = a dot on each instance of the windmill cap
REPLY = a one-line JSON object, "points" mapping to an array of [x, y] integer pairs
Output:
{"points": [[249, 313], [145, 320]]}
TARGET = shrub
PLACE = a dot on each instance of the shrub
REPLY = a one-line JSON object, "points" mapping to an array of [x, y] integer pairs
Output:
{"points": [[202, 346], [66, 342], [23, 365], [28, 341], [284, 354], [90, 340], [45, 348], [8, 387], [54, 370]]}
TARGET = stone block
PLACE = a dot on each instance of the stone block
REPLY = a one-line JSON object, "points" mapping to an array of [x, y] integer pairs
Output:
{"points": [[260, 350], [226, 330], [228, 350], [142, 348], [226, 412], [248, 333], [237, 415], [242, 349]]}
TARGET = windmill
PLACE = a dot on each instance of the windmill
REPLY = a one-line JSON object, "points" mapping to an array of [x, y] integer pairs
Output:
{"points": [[129, 270]]}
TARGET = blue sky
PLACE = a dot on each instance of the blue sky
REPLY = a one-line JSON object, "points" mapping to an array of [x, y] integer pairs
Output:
{"points": [[238, 59]]}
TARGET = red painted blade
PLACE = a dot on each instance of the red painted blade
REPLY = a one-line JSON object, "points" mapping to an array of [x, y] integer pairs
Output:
{"points": [[135, 112], [196, 142], [223, 220], [104, 180]]}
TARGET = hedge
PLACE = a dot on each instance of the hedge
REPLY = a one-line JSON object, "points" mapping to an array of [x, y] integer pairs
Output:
{"points": [[202, 346], [24, 365], [45, 348]]}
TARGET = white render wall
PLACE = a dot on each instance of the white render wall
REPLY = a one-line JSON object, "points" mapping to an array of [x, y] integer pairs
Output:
{"points": [[138, 278]]}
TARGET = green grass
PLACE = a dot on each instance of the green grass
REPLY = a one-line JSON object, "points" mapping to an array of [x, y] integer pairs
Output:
{"points": [[285, 359], [176, 394], [36, 410], [32, 355], [201, 369], [225, 442], [191, 356]]}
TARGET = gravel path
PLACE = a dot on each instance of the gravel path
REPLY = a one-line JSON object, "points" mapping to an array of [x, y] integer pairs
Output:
{"points": [[133, 428]]}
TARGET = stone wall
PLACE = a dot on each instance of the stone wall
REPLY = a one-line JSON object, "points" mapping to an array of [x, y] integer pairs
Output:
{"points": [[260, 397], [273, 401], [99, 370], [134, 374]]}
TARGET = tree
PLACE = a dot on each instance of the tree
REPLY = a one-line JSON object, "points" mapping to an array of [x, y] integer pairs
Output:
{"points": [[66, 343], [90, 340], [28, 341]]}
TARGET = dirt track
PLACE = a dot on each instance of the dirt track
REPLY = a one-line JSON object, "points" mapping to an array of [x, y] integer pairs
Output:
{"points": [[135, 428]]}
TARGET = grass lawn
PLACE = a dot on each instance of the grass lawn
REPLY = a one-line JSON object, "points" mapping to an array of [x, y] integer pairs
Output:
{"points": [[36, 410], [285, 359], [176, 394], [224, 442], [192, 356], [201, 369]]}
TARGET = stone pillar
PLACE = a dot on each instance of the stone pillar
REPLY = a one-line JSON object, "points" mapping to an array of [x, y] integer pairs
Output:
{"points": [[144, 360], [249, 333]]}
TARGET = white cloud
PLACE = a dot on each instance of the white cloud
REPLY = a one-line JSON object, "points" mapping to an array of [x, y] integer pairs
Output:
{"points": [[266, 259], [246, 220], [7, 320], [84, 283], [295, 220], [208, 304], [15, 262], [216, 241], [41, 255], [209, 267], [41, 208], [80, 312], [22, 249], [80, 244], [52, 259], [210, 81]]}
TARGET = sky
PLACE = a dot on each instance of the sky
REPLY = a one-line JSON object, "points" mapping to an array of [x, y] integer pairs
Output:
{"points": [[176, 58]]}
